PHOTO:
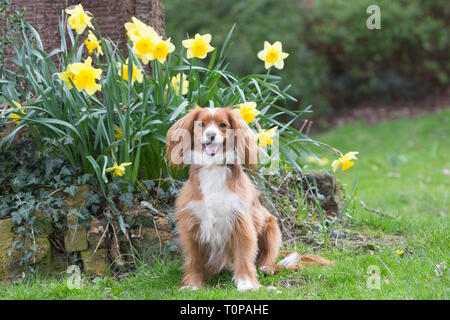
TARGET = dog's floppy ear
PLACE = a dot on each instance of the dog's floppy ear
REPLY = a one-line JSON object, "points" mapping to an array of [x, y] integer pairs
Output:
{"points": [[245, 140], [179, 138]]}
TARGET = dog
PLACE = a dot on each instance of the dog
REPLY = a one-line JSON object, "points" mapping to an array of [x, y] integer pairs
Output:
{"points": [[221, 222]]}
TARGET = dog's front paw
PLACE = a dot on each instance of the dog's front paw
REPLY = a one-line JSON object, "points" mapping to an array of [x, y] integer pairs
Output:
{"points": [[247, 284]]}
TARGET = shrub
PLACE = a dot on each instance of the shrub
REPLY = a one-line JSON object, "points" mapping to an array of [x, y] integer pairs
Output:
{"points": [[335, 60]]}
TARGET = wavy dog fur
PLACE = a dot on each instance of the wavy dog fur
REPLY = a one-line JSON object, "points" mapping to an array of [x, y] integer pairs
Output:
{"points": [[221, 222]]}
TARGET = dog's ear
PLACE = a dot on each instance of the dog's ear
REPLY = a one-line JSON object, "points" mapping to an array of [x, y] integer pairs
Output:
{"points": [[179, 138], [244, 140]]}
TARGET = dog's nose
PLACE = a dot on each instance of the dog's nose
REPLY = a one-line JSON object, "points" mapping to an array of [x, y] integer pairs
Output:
{"points": [[211, 135]]}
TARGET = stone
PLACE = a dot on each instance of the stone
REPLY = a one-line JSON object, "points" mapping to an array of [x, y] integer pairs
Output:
{"points": [[43, 221], [40, 260], [57, 262], [152, 242], [331, 195], [95, 259], [6, 238], [163, 224], [75, 238], [95, 234], [95, 262], [79, 200]]}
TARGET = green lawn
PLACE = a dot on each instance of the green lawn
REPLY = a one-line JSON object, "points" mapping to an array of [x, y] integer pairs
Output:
{"points": [[403, 169]]}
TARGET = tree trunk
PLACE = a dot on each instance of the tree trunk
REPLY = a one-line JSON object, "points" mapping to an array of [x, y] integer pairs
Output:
{"points": [[110, 15]]}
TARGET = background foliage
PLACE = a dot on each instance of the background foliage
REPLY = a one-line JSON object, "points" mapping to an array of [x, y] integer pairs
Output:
{"points": [[334, 59]]}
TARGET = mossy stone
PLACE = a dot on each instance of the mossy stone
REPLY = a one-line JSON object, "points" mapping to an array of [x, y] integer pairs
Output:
{"points": [[152, 243], [75, 238], [95, 234], [95, 262], [41, 259], [329, 188], [6, 238]]}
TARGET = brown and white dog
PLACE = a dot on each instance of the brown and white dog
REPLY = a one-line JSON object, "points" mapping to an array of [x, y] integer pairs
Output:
{"points": [[221, 223]]}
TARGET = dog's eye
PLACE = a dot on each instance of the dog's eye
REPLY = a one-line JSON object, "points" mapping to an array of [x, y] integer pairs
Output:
{"points": [[222, 125], [201, 124]]}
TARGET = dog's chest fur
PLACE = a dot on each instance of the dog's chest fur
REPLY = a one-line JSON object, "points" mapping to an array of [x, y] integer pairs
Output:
{"points": [[217, 211]]}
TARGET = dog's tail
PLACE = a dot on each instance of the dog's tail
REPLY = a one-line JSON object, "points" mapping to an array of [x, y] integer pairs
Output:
{"points": [[293, 258], [295, 261]]}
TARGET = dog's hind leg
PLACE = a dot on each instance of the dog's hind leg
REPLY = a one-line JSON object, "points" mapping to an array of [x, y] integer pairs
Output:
{"points": [[269, 241]]}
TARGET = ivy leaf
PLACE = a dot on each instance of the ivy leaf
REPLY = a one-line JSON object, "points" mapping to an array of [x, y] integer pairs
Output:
{"points": [[51, 163], [127, 199], [66, 171], [91, 198], [72, 190]]}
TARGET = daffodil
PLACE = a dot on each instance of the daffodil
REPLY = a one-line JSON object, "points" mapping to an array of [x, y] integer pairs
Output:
{"points": [[162, 49], [272, 55], [144, 45], [198, 47], [92, 43], [178, 81], [79, 19], [135, 75], [118, 170], [65, 76], [117, 132], [135, 28], [344, 161], [85, 75], [17, 113], [322, 161], [248, 111], [264, 137]]}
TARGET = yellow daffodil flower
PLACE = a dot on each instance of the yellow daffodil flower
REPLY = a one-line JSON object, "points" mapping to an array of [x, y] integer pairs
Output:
{"points": [[321, 162], [198, 47], [18, 113], [264, 137], [144, 45], [135, 75], [92, 43], [147, 44], [78, 19], [85, 75], [134, 28], [344, 161], [176, 83], [65, 76], [117, 132], [119, 170], [272, 55], [248, 111], [162, 49]]}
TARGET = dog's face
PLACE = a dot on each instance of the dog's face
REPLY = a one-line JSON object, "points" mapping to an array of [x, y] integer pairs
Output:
{"points": [[215, 133], [214, 124]]}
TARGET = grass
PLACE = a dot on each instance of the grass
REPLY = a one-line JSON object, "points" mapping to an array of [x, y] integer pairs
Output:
{"points": [[403, 171]]}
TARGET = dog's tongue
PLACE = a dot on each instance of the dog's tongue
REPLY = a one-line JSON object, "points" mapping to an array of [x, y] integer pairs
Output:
{"points": [[211, 149]]}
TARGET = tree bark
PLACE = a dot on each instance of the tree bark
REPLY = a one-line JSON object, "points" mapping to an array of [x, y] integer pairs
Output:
{"points": [[110, 15]]}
